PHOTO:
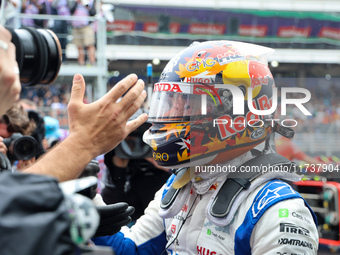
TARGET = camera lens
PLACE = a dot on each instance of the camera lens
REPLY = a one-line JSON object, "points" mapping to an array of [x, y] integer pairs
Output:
{"points": [[25, 148], [38, 53]]}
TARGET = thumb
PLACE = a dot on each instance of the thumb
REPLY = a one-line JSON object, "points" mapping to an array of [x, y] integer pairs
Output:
{"points": [[78, 88]]}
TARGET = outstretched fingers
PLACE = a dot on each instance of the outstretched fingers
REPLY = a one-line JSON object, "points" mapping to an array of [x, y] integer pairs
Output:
{"points": [[133, 108], [135, 105], [134, 124], [78, 89], [132, 100], [121, 87], [133, 95]]}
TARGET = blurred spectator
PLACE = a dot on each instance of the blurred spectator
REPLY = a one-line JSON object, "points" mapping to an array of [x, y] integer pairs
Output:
{"points": [[56, 104], [52, 133], [83, 32], [106, 12], [16, 120], [60, 28], [33, 7], [33, 113], [12, 9]]}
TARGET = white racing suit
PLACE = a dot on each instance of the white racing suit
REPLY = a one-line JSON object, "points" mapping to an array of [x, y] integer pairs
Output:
{"points": [[268, 218]]}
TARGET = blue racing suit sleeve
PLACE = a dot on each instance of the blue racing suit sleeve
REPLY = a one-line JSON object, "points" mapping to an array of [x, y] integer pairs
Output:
{"points": [[123, 245], [273, 193], [118, 242]]}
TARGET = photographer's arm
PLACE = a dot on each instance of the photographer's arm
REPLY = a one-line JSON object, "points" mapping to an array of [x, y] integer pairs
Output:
{"points": [[95, 128]]}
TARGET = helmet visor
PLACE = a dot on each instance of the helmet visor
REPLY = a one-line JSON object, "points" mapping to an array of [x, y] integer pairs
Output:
{"points": [[174, 106]]}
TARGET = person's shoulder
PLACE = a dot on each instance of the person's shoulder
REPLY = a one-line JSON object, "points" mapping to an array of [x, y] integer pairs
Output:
{"points": [[271, 193], [279, 217], [286, 226], [265, 195]]}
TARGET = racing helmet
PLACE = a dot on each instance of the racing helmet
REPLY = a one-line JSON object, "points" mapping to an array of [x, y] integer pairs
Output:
{"points": [[199, 107]]}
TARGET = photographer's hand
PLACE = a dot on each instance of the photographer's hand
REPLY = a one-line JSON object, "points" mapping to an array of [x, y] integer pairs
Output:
{"points": [[10, 86], [23, 164], [95, 128], [3, 147], [102, 125], [5, 165]]}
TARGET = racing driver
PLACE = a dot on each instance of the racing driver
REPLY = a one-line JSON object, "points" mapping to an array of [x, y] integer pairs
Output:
{"points": [[226, 194]]}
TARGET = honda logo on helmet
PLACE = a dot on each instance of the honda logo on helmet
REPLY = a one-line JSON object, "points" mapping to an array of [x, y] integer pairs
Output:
{"points": [[173, 87]]}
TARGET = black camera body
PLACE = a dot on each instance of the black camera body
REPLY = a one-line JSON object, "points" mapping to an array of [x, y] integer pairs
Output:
{"points": [[21, 147]]}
